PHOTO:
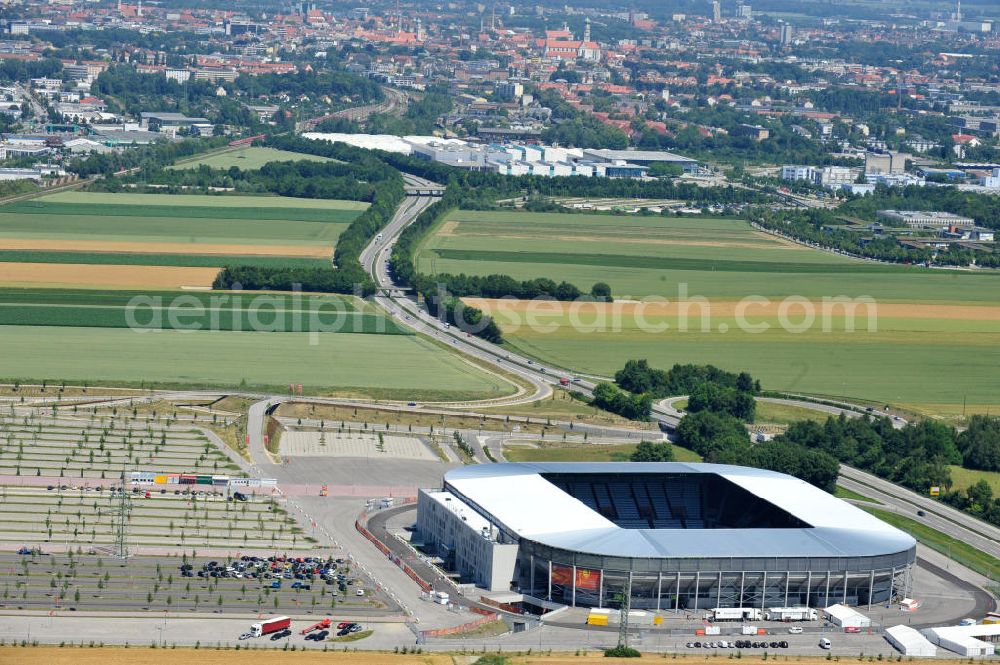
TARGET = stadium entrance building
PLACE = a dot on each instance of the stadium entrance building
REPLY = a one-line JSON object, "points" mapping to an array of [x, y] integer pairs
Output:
{"points": [[687, 536]]}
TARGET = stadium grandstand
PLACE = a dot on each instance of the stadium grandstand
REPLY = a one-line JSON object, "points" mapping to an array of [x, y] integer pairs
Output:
{"points": [[686, 536]]}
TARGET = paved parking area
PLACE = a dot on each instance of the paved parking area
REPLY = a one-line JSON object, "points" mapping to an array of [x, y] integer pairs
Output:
{"points": [[354, 444]]}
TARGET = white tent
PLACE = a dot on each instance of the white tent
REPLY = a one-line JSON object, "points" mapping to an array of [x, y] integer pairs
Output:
{"points": [[847, 617], [968, 641], [910, 642]]}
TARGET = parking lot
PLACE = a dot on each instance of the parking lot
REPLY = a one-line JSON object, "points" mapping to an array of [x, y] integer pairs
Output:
{"points": [[281, 583], [164, 517]]}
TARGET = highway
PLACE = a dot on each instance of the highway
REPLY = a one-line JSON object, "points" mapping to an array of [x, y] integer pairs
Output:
{"points": [[938, 515], [407, 312]]}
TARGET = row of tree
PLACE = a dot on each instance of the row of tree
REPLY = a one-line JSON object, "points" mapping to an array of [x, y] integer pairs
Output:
{"points": [[825, 228], [638, 377], [350, 276]]}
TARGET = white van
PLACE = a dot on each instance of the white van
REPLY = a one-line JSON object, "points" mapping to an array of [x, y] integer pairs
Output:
{"points": [[824, 643]]}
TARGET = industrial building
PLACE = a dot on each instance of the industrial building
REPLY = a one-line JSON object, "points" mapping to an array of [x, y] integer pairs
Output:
{"points": [[924, 219], [515, 158], [681, 536]]}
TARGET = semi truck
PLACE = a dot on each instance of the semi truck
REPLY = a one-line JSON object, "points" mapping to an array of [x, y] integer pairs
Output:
{"points": [[791, 614], [270, 626], [734, 614]]}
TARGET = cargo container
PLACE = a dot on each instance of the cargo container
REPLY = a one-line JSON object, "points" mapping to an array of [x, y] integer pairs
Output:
{"points": [[160, 480], [188, 480], [220, 481], [203, 480], [270, 626], [734, 614], [791, 614]]}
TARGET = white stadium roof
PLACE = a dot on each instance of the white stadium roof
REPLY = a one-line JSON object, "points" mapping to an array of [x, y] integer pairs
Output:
{"points": [[519, 498]]}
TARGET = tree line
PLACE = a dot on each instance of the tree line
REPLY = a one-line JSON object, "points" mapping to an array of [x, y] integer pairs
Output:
{"points": [[350, 276]]}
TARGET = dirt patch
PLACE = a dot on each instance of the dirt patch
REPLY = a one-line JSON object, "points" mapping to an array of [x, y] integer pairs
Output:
{"points": [[729, 308], [447, 229], [83, 275], [101, 246]]}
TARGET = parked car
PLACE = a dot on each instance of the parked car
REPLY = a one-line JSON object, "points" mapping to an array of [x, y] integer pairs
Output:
{"points": [[246, 636], [795, 630]]}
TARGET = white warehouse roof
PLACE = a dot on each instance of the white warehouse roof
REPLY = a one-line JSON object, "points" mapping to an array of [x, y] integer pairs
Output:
{"points": [[910, 642], [964, 640], [519, 498]]}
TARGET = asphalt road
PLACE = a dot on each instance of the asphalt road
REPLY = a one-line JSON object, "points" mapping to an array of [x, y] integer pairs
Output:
{"points": [[940, 516]]}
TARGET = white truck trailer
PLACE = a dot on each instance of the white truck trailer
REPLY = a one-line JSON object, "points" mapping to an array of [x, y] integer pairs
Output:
{"points": [[791, 614], [734, 614]]}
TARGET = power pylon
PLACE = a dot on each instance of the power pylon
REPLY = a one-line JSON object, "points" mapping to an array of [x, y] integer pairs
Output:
{"points": [[121, 516], [625, 606]]}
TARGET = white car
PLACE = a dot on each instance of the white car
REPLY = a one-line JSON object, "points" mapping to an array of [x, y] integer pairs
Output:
{"points": [[359, 592], [246, 636], [795, 630]]}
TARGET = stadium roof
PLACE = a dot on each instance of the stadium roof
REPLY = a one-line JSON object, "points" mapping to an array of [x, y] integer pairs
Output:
{"points": [[520, 499]]}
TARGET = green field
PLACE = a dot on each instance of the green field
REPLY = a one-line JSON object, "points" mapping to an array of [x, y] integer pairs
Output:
{"points": [[587, 452], [399, 366], [165, 218], [268, 312], [247, 159], [932, 342], [152, 259], [652, 256], [962, 478]]}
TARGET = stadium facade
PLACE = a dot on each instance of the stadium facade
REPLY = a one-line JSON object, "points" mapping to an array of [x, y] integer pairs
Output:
{"points": [[684, 536]]}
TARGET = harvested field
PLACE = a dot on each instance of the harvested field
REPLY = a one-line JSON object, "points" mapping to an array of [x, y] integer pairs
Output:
{"points": [[99, 276]]}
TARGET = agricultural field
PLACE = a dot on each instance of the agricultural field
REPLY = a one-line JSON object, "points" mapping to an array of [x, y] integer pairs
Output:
{"points": [[113, 240], [963, 478], [143, 310], [247, 159], [912, 324], [399, 366]]}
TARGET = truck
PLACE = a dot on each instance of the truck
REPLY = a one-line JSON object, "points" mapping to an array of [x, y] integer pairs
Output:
{"points": [[319, 625], [734, 614], [270, 626], [791, 614], [563, 381]]}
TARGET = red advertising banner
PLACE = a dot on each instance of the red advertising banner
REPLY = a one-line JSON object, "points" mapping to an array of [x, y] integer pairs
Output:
{"points": [[562, 575], [587, 579]]}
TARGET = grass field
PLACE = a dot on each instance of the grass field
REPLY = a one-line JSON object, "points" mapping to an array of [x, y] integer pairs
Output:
{"points": [[963, 478], [587, 452], [404, 366], [247, 159], [927, 341], [191, 310]]}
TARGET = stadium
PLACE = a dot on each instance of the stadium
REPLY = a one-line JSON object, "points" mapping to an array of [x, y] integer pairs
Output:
{"points": [[684, 536]]}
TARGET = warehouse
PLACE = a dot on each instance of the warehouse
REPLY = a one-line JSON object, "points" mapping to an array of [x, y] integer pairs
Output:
{"points": [[680, 536]]}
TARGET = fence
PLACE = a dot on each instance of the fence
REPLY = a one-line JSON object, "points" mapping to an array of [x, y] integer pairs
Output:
{"points": [[361, 525], [463, 628]]}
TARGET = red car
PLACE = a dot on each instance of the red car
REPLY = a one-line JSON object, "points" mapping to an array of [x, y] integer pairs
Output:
{"points": [[852, 629], [343, 624]]}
